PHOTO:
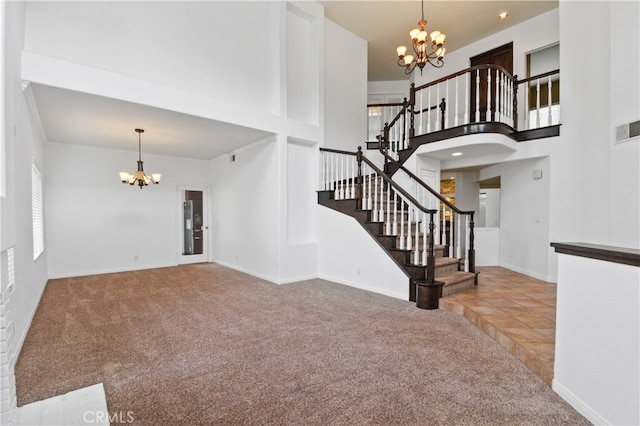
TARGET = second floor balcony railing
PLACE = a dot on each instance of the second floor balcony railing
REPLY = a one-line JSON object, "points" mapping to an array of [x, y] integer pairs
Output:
{"points": [[485, 94]]}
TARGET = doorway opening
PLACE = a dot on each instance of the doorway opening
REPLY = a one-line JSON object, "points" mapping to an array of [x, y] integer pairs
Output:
{"points": [[192, 223], [193, 214]]}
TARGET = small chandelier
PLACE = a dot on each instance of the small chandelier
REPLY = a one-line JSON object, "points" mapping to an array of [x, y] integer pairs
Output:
{"points": [[139, 176], [425, 52]]}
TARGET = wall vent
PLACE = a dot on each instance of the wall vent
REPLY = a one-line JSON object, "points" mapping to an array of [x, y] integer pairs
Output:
{"points": [[627, 131]]}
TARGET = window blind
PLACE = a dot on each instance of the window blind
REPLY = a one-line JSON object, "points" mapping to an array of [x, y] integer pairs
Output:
{"points": [[37, 212]]}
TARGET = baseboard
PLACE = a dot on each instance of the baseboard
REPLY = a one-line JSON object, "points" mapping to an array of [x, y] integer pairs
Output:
{"points": [[578, 404], [23, 336], [298, 279], [112, 270], [247, 271], [525, 272]]}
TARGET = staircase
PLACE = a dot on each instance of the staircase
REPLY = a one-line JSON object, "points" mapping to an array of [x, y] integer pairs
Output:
{"points": [[401, 225]]}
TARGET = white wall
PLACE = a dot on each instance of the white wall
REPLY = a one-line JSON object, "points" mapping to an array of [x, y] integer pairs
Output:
{"points": [[596, 365], [524, 216], [245, 209], [21, 146], [345, 89], [95, 224], [624, 186], [303, 67], [164, 42], [348, 255]]}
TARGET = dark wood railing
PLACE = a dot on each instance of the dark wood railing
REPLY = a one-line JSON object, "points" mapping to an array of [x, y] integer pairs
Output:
{"points": [[478, 94], [471, 253]]}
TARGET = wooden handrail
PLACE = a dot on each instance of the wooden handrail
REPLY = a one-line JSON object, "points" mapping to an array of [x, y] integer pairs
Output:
{"points": [[424, 185], [535, 77], [383, 175], [385, 105], [464, 71]]}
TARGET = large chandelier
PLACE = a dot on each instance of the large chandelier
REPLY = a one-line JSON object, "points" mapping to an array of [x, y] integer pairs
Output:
{"points": [[425, 52], [139, 176]]}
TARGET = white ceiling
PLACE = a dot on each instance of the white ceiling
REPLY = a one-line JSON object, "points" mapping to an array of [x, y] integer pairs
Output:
{"points": [[85, 119], [386, 24]]}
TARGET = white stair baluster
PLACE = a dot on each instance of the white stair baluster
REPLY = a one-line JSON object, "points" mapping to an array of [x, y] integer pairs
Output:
{"points": [[527, 121], [537, 103], [353, 178], [467, 83], [387, 226], [498, 98], [549, 122], [438, 125], [374, 215], [420, 116], [322, 172], [429, 110], [477, 95], [457, 112], [394, 230], [459, 245], [488, 113], [334, 177], [425, 233], [409, 219], [381, 207], [447, 106], [452, 225], [401, 223]]}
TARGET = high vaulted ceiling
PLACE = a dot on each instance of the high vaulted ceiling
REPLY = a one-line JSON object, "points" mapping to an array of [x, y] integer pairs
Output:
{"points": [[386, 24], [73, 117]]}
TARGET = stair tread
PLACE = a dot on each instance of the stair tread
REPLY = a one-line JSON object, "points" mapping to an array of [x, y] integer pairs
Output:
{"points": [[456, 277], [441, 261]]}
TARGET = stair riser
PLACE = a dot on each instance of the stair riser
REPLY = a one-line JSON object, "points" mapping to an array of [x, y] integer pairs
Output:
{"points": [[419, 273], [459, 286]]}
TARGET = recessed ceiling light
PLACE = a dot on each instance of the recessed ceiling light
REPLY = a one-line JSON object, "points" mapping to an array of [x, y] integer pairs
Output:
{"points": [[456, 154], [503, 15]]}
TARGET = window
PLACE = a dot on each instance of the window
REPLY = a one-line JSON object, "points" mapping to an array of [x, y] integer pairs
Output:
{"points": [[37, 216], [543, 95]]}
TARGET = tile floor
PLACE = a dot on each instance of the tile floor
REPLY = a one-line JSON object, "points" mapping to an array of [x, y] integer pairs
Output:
{"points": [[516, 310]]}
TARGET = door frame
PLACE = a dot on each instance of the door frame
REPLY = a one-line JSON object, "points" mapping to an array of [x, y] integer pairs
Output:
{"points": [[503, 56], [193, 258]]}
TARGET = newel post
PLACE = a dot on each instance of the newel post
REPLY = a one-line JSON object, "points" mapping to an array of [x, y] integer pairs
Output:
{"points": [[431, 258], [515, 103], [429, 293], [359, 179], [412, 104], [472, 251], [385, 143]]}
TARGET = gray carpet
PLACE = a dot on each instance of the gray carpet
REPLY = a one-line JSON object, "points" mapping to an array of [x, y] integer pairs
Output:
{"points": [[202, 344]]}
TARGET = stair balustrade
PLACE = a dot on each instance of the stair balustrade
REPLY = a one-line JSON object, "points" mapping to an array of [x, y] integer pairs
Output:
{"points": [[350, 175], [471, 99], [455, 228]]}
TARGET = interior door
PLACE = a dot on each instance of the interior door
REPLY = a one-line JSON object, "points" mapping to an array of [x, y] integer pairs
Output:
{"points": [[193, 225], [502, 56]]}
